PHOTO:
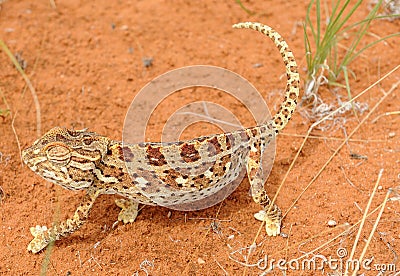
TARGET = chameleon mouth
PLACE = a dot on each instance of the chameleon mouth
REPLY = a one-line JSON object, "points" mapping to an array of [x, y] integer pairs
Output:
{"points": [[29, 158]]}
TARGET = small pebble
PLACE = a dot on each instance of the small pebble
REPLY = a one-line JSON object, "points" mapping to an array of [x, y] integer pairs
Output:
{"points": [[332, 223], [147, 61], [200, 261], [392, 134], [169, 214]]}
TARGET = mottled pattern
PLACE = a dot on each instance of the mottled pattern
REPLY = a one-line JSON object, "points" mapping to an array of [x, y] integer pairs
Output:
{"points": [[167, 174]]}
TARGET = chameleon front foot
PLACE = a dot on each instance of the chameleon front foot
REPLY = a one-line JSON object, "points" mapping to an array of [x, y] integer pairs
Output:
{"points": [[272, 222], [129, 210], [39, 241]]}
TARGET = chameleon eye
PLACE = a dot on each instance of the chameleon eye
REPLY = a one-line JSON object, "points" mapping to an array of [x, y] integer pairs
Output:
{"points": [[87, 140], [58, 154]]}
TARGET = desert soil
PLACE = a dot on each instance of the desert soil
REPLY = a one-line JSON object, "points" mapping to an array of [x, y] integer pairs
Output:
{"points": [[86, 62]]}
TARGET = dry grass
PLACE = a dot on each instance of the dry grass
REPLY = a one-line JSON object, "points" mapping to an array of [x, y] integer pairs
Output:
{"points": [[6, 50], [344, 230], [347, 230], [328, 61]]}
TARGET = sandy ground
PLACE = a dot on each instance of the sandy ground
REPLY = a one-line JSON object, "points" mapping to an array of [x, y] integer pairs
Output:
{"points": [[86, 61]]}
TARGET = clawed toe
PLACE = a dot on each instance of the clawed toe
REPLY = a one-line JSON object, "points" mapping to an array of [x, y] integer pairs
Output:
{"points": [[272, 224], [39, 241], [129, 210]]}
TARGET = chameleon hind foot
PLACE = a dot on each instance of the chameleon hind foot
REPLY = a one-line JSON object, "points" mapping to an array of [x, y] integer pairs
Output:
{"points": [[129, 210], [272, 222], [39, 239]]}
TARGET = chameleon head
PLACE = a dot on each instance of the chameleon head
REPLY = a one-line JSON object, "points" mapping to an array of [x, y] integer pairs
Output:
{"points": [[66, 157]]}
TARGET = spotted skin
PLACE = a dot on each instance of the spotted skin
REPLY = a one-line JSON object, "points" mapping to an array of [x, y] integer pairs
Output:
{"points": [[167, 174]]}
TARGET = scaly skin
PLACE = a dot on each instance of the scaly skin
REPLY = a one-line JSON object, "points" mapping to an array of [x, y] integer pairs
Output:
{"points": [[167, 174]]}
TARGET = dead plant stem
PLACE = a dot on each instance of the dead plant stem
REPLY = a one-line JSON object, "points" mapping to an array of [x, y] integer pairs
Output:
{"points": [[353, 250], [394, 86], [28, 83]]}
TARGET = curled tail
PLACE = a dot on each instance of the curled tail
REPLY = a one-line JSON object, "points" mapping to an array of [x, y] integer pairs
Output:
{"points": [[282, 117]]}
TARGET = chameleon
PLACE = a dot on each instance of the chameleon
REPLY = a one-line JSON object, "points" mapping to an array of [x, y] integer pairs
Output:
{"points": [[160, 173]]}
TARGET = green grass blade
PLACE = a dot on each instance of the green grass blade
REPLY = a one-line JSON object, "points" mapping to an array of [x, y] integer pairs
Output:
{"points": [[354, 56], [249, 12], [307, 47], [318, 11]]}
